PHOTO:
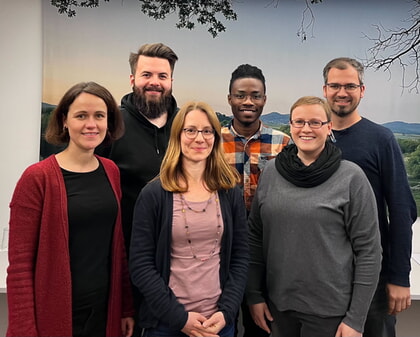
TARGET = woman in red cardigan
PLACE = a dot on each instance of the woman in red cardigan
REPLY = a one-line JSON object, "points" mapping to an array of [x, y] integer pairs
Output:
{"points": [[67, 273]]}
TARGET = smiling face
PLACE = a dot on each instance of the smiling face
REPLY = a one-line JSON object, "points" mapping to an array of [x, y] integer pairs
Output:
{"points": [[310, 142], [247, 100], [86, 122], [152, 85], [197, 149], [343, 103]]}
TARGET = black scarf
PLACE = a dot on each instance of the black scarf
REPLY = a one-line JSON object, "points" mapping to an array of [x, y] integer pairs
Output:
{"points": [[292, 169]]}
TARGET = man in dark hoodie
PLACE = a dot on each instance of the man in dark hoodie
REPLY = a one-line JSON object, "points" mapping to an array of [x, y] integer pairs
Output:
{"points": [[148, 113]]}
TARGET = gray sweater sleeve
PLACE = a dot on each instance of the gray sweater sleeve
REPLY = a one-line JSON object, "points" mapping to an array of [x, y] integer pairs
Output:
{"points": [[362, 225]]}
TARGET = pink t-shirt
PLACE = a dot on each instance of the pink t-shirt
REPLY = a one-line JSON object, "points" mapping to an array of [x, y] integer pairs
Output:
{"points": [[195, 281]]}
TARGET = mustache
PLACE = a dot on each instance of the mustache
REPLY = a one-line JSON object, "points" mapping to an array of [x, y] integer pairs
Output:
{"points": [[152, 108], [153, 88]]}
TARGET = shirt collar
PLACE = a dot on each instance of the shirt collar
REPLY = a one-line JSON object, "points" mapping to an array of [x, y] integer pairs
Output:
{"points": [[256, 135]]}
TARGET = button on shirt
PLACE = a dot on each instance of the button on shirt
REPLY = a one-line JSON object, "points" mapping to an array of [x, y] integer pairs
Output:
{"points": [[249, 156]]}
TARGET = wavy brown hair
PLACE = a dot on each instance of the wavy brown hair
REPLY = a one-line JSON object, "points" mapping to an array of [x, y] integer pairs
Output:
{"points": [[158, 50]]}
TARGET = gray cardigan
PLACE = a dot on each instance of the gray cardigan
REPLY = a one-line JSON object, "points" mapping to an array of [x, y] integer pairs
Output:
{"points": [[150, 256], [316, 250]]}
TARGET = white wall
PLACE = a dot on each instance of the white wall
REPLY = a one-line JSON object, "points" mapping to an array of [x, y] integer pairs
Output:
{"points": [[20, 97], [20, 92]]}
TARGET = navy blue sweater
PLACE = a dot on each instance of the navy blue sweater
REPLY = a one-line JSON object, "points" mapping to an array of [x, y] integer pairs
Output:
{"points": [[375, 149]]}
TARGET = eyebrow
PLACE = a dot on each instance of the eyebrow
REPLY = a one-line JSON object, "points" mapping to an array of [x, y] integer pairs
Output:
{"points": [[195, 127], [253, 92], [154, 72]]}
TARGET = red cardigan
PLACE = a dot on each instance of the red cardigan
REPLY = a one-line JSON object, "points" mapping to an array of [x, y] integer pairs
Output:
{"points": [[38, 277]]}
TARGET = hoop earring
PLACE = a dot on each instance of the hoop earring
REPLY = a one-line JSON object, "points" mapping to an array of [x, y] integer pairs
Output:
{"points": [[332, 137]]}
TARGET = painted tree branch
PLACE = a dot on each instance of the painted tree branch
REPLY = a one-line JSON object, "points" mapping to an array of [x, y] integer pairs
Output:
{"points": [[398, 46], [306, 25], [203, 12]]}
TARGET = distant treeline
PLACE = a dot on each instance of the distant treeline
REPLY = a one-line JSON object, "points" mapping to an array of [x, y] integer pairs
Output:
{"points": [[410, 147]]}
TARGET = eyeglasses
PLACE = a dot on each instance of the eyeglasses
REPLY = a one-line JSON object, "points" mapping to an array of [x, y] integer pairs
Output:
{"points": [[253, 97], [192, 133], [313, 123], [350, 87]]}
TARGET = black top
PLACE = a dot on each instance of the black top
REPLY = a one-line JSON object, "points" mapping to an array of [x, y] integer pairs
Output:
{"points": [[138, 154], [92, 212]]}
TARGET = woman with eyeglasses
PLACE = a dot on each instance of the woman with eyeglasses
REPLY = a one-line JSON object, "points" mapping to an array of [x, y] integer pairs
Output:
{"points": [[314, 237], [189, 247]]}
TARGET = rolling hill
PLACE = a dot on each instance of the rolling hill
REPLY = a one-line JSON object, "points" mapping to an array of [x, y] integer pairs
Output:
{"points": [[275, 118], [403, 127]]}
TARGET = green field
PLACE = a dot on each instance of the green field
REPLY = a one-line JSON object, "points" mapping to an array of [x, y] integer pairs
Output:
{"points": [[415, 188], [406, 136]]}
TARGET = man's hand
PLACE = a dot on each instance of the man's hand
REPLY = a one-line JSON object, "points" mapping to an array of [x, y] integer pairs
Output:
{"points": [[345, 331], [260, 314], [399, 298]]}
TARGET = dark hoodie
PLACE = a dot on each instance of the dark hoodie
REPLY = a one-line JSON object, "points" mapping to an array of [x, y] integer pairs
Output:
{"points": [[138, 154]]}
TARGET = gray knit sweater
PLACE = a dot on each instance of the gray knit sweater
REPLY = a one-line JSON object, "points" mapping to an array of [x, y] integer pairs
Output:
{"points": [[315, 250]]}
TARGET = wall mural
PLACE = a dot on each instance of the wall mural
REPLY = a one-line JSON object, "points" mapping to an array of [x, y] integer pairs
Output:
{"points": [[94, 45]]}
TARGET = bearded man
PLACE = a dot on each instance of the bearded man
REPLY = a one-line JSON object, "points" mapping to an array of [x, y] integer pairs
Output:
{"points": [[148, 113], [375, 149]]}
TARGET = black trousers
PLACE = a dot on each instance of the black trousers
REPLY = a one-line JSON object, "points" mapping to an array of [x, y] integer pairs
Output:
{"points": [[250, 328], [378, 322], [296, 324], [90, 320]]}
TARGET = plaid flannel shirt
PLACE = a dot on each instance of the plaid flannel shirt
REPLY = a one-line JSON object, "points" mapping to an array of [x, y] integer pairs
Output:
{"points": [[249, 156]]}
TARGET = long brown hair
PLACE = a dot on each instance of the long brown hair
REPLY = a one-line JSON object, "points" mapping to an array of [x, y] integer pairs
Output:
{"points": [[218, 173]]}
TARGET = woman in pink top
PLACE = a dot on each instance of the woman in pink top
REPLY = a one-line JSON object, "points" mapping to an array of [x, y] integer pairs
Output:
{"points": [[189, 250]]}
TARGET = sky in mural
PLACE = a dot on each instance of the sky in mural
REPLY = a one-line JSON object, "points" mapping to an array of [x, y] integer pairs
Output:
{"points": [[95, 45]]}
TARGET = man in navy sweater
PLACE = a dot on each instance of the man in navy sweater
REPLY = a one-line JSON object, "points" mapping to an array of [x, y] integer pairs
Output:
{"points": [[375, 149]]}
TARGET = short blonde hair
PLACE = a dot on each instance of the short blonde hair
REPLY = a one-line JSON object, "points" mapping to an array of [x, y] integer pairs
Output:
{"points": [[312, 100]]}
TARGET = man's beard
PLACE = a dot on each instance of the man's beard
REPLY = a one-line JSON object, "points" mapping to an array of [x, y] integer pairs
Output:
{"points": [[152, 108], [342, 112]]}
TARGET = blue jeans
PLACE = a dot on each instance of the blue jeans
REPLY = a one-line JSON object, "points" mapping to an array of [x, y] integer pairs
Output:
{"points": [[163, 331]]}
